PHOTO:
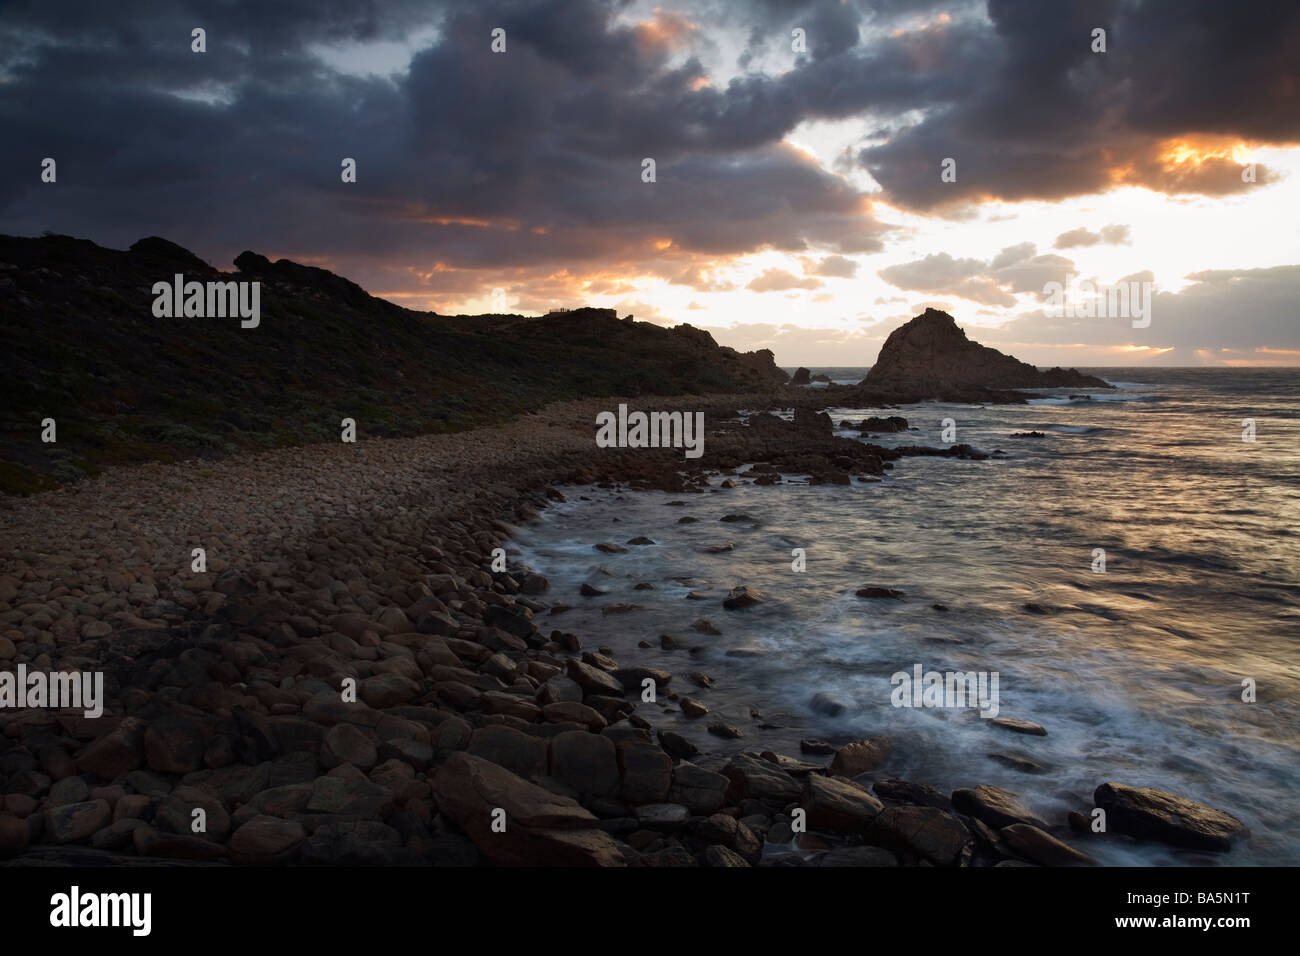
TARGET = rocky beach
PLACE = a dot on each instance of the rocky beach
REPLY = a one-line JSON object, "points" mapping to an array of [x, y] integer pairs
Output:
{"points": [[480, 731]]}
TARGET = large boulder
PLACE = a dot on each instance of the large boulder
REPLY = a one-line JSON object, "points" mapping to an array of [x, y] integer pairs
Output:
{"points": [[1150, 814]]}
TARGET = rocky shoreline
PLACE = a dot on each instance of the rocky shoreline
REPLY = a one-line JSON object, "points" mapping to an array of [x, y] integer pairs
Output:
{"points": [[478, 733]]}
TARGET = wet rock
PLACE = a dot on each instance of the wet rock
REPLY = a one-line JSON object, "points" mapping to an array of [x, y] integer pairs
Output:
{"points": [[676, 745], [790, 764], [692, 707], [810, 745], [860, 756], [1022, 762], [932, 834], [727, 831], [873, 591], [1151, 814], [823, 703], [838, 805], [608, 547], [993, 805], [1042, 848], [905, 791], [1019, 726], [567, 711], [720, 729], [559, 688], [634, 678], [742, 597], [594, 680]]}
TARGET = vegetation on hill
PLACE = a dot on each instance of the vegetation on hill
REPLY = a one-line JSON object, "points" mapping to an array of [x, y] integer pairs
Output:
{"points": [[83, 347]]}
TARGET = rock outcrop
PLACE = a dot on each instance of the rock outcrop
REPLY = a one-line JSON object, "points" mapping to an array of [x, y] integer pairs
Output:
{"points": [[931, 358]]}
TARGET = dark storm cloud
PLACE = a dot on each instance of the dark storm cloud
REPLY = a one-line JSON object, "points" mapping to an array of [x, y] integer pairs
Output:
{"points": [[470, 158], [1048, 118], [532, 158]]}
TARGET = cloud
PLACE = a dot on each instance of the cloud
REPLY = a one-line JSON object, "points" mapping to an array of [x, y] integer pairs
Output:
{"points": [[1049, 119], [941, 273], [477, 161], [1016, 269], [1261, 303], [833, 266], [1112, 235], [779, 280]]}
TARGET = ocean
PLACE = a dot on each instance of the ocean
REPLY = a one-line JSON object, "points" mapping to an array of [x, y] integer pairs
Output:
{"points": [[1136, 671]]}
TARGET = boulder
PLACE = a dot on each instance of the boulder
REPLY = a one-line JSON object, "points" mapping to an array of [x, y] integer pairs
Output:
{"points": [[1150, 814], [1041, 847], [759, 780], [697, 789], [860, 756], [997, 807], [585, 762], [838, 805], [932, 834], [540, 828]]}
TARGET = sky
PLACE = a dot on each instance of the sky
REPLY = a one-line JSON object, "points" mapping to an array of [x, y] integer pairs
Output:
{"points": [[823, 170]]}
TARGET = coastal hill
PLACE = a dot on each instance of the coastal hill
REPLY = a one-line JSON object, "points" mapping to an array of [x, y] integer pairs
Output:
{"points": [[931, 358], [83, 346]]}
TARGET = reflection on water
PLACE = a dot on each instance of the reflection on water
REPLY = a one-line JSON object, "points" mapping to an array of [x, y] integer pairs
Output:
{"points": [[1135, 672]]}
